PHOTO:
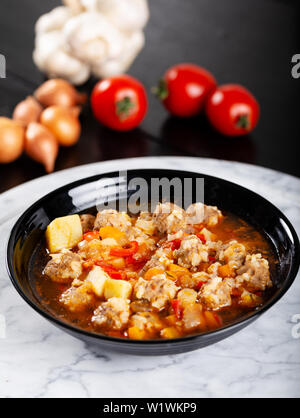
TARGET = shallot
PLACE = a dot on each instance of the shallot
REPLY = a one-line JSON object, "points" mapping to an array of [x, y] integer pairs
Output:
{"points": [[58, 92], [11, 140], [41, 145], [63, 124], [29, 110]]}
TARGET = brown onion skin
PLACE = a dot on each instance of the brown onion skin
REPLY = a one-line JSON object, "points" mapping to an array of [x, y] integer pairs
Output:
{"points": [[41, 145], [11, 140], [63, 124], [29, 110], [58, 92]]}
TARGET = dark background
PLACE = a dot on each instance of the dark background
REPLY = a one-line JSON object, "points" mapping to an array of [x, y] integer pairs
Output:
{"points": [[247, 42]]}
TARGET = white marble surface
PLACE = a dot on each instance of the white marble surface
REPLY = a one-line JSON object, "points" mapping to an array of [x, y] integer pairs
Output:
{"points": [[38, 360]]}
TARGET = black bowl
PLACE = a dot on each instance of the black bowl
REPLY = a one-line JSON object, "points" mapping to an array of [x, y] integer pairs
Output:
{"points": [[82, 195]]}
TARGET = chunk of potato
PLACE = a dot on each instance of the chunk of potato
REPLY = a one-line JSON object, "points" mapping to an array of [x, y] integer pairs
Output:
{"points": [[97, 277], [117, 288], [64, 233]]}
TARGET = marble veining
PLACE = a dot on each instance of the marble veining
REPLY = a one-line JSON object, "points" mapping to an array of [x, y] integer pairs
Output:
{"points": [[38, 360]]}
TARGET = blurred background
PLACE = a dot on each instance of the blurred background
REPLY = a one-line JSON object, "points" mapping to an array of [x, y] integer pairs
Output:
{"points": [[246, 42]]}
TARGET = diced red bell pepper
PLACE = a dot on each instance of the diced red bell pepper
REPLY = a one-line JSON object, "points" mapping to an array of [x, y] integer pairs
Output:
{"points": [[90, 235], [178, 309], [173, 244], [211, 258], [199, 285], [202, 238], [125, 252], [217, 318], [111, 271]]}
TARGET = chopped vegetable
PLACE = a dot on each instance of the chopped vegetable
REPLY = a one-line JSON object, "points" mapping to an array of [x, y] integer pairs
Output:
{"points": [[111, 232], [202, 238], [125, 252], [117, 288], [97, 277], [177, 306], [90, 235], [109, 269], [170, 332], [154, 271], [64, 233], [136, 333]]}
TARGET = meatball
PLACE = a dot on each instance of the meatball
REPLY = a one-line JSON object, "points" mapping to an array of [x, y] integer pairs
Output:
{"points": [[78, 299], [110, 217], [113, 314], [254, 274], [200, 213], [146, 223], [158, 291], [191, 252], [169, 218], [147, 321], [64, 267], [234, 254], [216, 293], [136, 234], [87, 222]]}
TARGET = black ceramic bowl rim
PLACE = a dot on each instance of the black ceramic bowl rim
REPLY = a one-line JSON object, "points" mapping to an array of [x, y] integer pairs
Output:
{"points": [[237, 323]]}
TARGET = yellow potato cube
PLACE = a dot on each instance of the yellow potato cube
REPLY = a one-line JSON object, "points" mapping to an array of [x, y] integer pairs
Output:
{"points": [[97, 277], [64, 233], [117, 288]]}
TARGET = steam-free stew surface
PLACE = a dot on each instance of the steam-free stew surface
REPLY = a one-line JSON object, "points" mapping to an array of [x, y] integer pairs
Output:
{"points": [[182, 278]]}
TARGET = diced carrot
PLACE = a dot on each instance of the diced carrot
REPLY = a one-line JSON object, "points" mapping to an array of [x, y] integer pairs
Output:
{"points": [[171, 319], [172, 276], [177, 270], [154, 271], [225, 271], [136, 333], [170, 332], [111, 232], [212, 319]]}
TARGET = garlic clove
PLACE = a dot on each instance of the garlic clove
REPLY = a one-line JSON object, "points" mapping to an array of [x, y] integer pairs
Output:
{"points": [[41, 145]]}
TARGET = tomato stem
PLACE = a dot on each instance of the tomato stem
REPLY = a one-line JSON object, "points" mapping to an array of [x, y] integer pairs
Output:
{"points": [[243, 122], [123, 107], [161, 91]]}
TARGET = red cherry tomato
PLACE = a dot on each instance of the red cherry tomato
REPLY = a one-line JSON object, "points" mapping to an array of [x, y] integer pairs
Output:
{"points": [[185, 88], [120, 103], [232, 110]]}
